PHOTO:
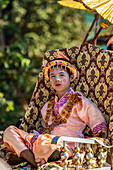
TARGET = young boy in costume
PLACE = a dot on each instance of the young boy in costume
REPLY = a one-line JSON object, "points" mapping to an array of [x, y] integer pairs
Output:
{"points": [[65, 115]]}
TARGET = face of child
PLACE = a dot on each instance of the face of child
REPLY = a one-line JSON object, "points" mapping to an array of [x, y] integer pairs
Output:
{"points": [[60, 80]]}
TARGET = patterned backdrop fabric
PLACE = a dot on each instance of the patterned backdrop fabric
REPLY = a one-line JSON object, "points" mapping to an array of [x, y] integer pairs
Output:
{"points": [[94, 79]]}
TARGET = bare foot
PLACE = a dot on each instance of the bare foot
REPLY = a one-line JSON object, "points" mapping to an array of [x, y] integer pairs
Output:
{"points": [[14, 159], [28, 155], [40, 161], [108, 158], [55, 156]]}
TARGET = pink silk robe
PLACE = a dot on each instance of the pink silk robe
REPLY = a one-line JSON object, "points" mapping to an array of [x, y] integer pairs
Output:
{"points": [[82, 114]]}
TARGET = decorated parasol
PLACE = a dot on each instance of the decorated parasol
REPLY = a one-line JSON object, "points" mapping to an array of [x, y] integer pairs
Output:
{"points": [[103, 10], [73, 4], [102, 7]]}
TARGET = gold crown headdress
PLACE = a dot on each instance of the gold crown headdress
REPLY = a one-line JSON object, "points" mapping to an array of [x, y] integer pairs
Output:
{"points": [[59, 62]]}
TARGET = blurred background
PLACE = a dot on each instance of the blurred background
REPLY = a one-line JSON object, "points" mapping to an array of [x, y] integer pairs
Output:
{"points": [[28, 28]]}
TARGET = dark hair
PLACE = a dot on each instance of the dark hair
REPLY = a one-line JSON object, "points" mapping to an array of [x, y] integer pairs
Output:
{"points": [[60, 59], [67, 69], [110, 47]]}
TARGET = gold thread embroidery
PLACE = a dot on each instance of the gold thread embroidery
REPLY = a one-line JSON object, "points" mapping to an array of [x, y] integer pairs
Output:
{"points": [[64, 115], [102, 61], [101, 91], [92, 75], [83, 60], [109, 75], [83, 87]]}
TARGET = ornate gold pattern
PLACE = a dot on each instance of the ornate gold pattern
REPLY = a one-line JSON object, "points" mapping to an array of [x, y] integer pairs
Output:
{"points": [[73, 84], [73, 55], [103, 97], [48, 83], [47, 54], [35, 88], [97, 50], [92, 98], [40, 74], [106, 117], [109, 75], [93, 53], [38, 123], [44, 62], [101, 91], [51, 57], [45, 92], [107, 104], [69, 52], [37, 94], [83, 60], [92, 75], [102, 61], [28, 112], [56, 53], [77, 50], [82, 86], [90, 61], [111, 126], [63, 116]]}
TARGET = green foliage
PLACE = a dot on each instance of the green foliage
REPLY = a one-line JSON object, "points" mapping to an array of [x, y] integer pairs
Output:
{"points": [[9, 105], [30, 28], [4, 3]]}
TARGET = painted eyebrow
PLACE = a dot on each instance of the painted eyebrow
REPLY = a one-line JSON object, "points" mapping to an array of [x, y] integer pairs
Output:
{"points": [[61, 72]]}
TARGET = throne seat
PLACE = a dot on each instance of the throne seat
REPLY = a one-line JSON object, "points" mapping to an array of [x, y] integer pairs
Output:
{"points": [[94, 79]]}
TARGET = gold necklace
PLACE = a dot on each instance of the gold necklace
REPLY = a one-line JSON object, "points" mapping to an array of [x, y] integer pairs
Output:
{"points": [[63, 116]]}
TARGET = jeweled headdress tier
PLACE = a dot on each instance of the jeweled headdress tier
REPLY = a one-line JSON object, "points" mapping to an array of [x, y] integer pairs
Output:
{"points": [[59, 62]]}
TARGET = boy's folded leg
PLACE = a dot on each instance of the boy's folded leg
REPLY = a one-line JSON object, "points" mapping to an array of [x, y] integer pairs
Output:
{"points": [[14, 139], [42, 148]]}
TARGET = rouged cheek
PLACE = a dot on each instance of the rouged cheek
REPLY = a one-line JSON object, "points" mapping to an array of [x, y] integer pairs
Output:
{"points": [[64, 80]]}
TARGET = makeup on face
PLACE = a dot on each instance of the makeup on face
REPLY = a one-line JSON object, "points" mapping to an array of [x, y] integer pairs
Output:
{"points": [[57, 76], [60, 81], [64, 80]]}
